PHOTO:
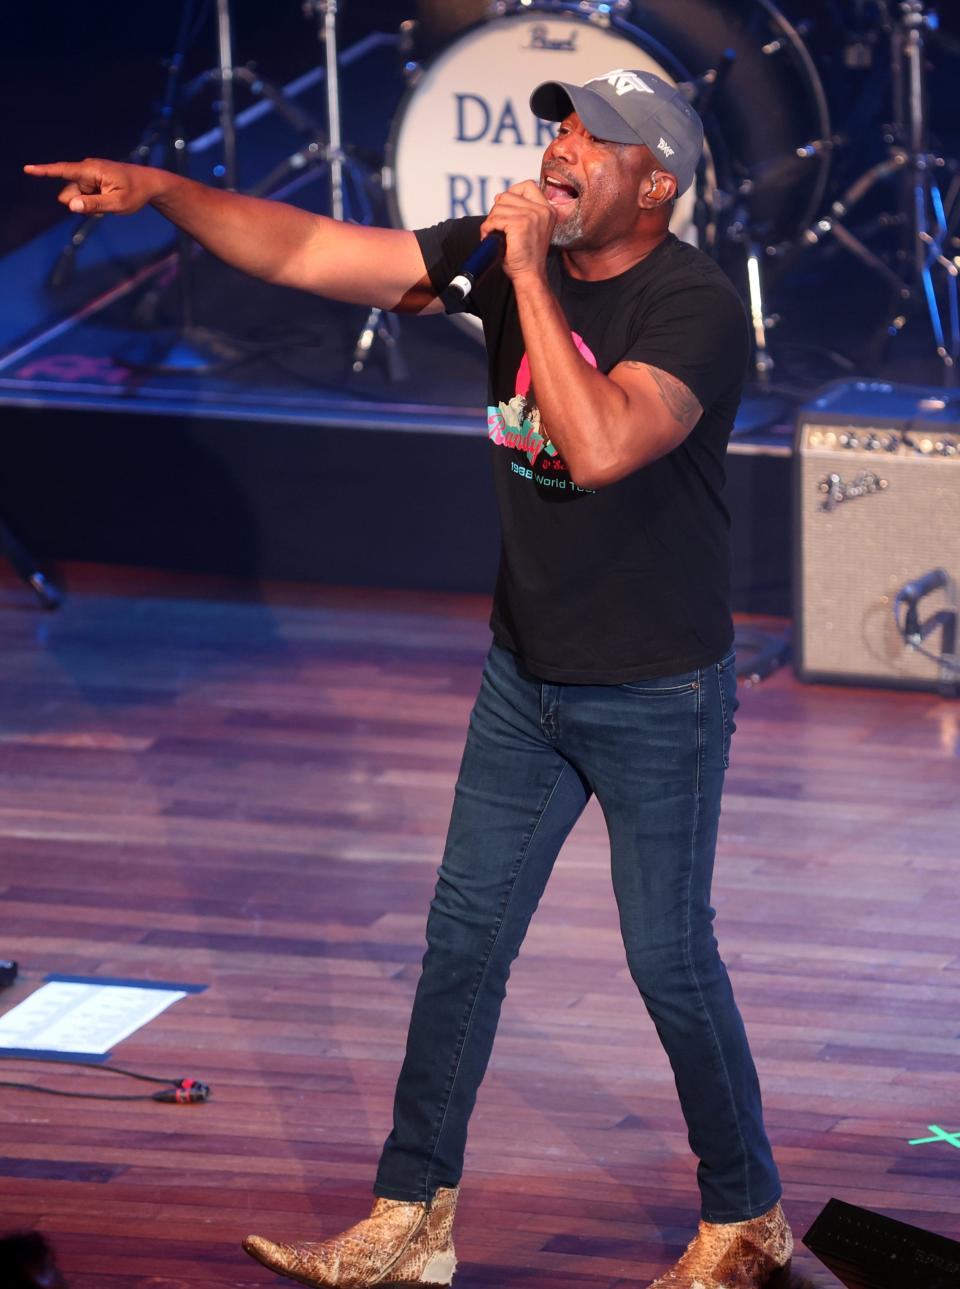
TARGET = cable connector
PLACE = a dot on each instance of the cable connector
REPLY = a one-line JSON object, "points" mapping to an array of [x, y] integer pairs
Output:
{"points": [[184, 1092]]}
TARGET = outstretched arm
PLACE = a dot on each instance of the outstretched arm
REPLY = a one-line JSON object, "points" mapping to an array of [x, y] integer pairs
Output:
{"points": [[268, 239]]}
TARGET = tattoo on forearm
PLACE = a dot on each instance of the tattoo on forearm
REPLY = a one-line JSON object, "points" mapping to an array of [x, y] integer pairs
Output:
{"points": [[682, 405]]}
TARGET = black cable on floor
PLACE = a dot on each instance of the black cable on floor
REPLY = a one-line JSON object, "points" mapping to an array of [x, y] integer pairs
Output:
{"points": [[174, 1091]]}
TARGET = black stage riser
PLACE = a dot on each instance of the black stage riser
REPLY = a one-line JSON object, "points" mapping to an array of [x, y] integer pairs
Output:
{"points": [[329, 504]]}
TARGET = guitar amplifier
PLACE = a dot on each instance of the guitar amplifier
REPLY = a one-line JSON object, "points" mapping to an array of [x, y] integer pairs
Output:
{"points": [[876, 505]]}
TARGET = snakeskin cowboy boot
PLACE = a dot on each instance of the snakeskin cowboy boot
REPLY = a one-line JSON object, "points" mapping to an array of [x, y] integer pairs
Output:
{"points": [[735, 1255], [398, 1245]]}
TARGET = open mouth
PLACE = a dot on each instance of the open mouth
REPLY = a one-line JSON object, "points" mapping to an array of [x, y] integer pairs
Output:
{"points": [[559, 191]]}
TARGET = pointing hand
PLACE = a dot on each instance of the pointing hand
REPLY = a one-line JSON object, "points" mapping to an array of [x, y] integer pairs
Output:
{"points": [[96, 187]]}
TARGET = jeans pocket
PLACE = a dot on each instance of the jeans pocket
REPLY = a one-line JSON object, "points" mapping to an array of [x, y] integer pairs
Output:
{"points": [[664, 686]]}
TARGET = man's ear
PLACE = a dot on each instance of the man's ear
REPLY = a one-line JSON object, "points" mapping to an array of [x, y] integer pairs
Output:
{"points": [[659, 190]]}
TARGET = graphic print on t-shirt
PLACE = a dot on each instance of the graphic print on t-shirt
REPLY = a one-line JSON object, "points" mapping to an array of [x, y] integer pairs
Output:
{"points": [[516, 425]]}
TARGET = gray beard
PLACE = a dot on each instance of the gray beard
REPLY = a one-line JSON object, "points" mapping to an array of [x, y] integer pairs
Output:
{"points": [[570, 231]]}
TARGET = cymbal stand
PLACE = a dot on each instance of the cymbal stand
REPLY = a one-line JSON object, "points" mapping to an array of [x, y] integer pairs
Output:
{"points": [[379, 322], [226, 77], [929, 219], [195, 349]]}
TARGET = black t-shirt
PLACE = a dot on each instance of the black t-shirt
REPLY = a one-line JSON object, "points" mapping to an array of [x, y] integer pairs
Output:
{"points": [[631, 580]]}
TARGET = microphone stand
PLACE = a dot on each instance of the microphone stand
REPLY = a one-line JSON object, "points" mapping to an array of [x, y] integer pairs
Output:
{"points": [[913, 632]]}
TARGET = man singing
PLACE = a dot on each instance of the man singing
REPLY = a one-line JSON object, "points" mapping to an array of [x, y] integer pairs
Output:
{"points": [[616, 359]]}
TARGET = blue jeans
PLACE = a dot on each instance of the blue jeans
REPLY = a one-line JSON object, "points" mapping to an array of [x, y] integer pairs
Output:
{"points": [[654, 752]]}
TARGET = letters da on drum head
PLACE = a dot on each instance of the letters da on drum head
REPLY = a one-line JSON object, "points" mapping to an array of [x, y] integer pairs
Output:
{"points": [[493, 122]]}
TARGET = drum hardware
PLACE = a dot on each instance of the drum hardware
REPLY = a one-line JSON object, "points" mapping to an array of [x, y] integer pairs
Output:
{"points": [[158, 132], [779, 44], [928, 218], [593, 10], [226, 76], [739, 232], [702, 95], [333, 155], [164, 131], [349, 178], [202, 350], [189, 349], [759, 321], [192, 349], [407, 50], [742, 228], [380, 325], [340, 164], [706, 87], [791, 40]]}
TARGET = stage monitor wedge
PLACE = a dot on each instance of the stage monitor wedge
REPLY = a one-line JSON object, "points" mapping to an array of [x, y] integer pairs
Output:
{"points": [[866, 1250]]}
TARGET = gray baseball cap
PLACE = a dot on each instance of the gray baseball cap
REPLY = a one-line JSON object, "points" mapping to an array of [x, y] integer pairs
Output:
{"points": [[631, 107]]}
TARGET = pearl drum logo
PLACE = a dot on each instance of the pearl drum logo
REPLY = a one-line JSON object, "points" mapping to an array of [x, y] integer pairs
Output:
{"points": [[540, 38]]}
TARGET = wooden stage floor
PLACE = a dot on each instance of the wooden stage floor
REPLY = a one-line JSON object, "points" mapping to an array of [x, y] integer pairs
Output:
{"points": [[249, 790]]}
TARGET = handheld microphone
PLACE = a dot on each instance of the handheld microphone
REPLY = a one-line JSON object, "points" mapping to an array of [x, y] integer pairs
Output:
{"points": [[490, 250]]}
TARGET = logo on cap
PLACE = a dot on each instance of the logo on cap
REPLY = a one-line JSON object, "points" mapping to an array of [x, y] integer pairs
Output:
{"points": [[665, 147], [623, 82]]}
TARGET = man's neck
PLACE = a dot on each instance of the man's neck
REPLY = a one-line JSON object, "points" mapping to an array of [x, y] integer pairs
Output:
{"points": [[593, 265]]}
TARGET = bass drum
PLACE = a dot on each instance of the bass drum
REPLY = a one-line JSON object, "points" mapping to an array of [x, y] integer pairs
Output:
{"points": [[464, 130], [769, 119]]}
